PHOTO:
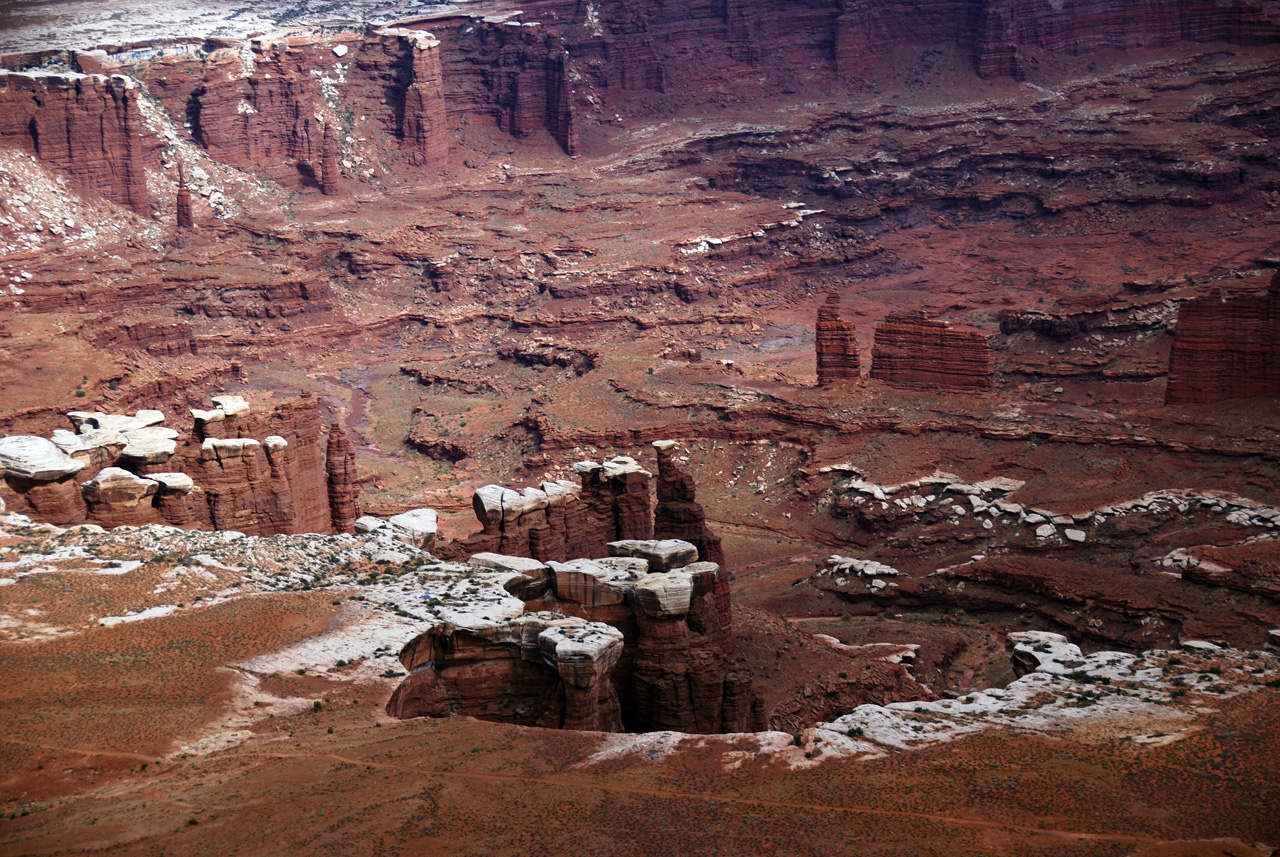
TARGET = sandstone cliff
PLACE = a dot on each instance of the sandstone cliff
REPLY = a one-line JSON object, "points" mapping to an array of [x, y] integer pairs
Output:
{"points": [[424, 128], [562, 519], [912, 351], [679, 516], [1003, 27], [1226, 348], [329, 164], [118, 470], [183, 214], [519, 74], [344, 485], [837, 344], [84, 126], [995, 31], [610, 644]]}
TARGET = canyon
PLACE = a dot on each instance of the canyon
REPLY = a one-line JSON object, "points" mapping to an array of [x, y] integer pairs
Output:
{"points": [[813, 427]]}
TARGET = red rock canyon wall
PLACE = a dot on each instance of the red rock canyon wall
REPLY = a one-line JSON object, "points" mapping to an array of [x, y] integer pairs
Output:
{"points": [[1226, 348], [912, 351]]}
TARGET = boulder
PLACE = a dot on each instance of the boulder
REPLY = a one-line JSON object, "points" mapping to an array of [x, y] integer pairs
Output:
{"points": [[582, 652], [417, 527], [534, 577], [665, 595], [597, 582], [116, 497], [95, 448], [231, 406], [36, 459], [115, 486], [661, 554], [368, 523], [150, 445]]}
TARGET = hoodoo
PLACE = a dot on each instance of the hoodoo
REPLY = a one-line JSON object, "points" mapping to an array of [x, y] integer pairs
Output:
{"points": [[329, 164], [185, 218], [837, 344]]}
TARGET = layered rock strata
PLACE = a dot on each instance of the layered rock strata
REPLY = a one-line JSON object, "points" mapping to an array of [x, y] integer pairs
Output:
{"points": [[275, 485], [266, 105], [911, 350], [995, 32], [516, 72], [562, 519], [1226, 348], [183, 213], [1005, 27], [116, 469], [679, 516], [344, 483], [329, 164], [41, 478], [424, 129], [85, 127], [606, 644], [837, 344]]}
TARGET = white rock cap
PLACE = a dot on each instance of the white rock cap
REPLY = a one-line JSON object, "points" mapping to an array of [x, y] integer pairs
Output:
{"points": [[35, 458]]}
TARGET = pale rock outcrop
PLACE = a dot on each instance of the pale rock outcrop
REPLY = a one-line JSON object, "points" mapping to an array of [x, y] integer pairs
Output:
{"points": [[660, 554], [368, 523], [417, 527], [665, 595], [153, 445], [534, 577], [43, 478], [585, 654], [562, 519], [36, 459], [95, 448], [116, 496], [597, 582]]}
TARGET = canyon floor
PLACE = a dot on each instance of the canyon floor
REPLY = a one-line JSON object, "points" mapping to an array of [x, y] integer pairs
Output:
{"points": [[497, 318]]}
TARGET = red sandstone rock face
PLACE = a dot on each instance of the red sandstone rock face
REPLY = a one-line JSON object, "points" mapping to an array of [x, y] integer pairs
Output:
{"points": [[560, 520], [57, 502], [995, 30], [837, 344], [185, 217], [291, 293], [344, 486], [425, 130], [329, 164], [481, 680], [251, 120], [161, 339], [1226, 348], [1004, 26], [256, 484], [255, 107], [671, 668], [299, 423], [678, 516], [912, 351], [257, 474], [85, 127], [518, 74], [682, 679]]}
